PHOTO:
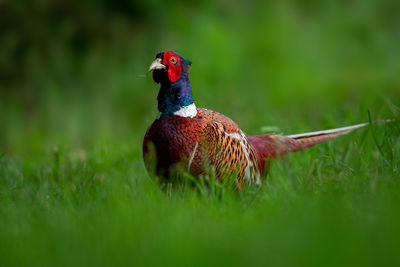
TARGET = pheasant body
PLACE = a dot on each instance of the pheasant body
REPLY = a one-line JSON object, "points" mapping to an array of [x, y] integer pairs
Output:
{"points": [[207, 139], [196, 139]]}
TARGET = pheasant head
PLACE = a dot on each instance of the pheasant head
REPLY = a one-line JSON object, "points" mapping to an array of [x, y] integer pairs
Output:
{"points": [[172, 71]]}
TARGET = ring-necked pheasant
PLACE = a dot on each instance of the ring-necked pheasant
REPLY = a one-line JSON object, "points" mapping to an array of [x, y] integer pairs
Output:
{"points": [[197, 138]]}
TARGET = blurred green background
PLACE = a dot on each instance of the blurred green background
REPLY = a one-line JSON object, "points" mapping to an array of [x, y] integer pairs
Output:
{"points": [[76, 100], [72, 71]]}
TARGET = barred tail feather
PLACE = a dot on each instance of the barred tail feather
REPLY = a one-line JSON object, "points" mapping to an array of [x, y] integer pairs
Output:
{"points": [[306, 140], [272, 145]]}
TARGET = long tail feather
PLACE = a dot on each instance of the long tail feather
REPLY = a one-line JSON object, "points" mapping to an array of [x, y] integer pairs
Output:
{"points": [[272, 145], [306, 140]]}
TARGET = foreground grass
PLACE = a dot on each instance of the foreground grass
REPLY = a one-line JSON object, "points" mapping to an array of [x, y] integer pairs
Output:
{"points": [[336, 204]]}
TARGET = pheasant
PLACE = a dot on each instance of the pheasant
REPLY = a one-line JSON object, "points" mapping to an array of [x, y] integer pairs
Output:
{"points": [[197, 139]]}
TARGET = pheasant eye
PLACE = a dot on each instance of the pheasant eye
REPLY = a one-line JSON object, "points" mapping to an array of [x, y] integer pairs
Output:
{"points": [[173, 60]]}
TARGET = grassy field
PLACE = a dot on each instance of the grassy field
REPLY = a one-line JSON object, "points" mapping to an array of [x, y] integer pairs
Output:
{"points": [[76, 100]]}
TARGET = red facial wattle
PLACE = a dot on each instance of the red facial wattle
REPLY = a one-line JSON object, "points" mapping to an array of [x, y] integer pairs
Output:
{"points": [[173, 61]]}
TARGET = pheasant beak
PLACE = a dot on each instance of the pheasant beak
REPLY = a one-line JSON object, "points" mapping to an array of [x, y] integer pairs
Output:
{"points": [[156, 65]]}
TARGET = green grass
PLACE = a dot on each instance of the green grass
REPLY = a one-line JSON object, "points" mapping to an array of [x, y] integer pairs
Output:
{"points": [[76, 100], [325, 206]]}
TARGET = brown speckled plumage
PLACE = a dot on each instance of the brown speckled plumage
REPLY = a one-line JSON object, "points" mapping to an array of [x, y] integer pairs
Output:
{"points": [[175, 139]]}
